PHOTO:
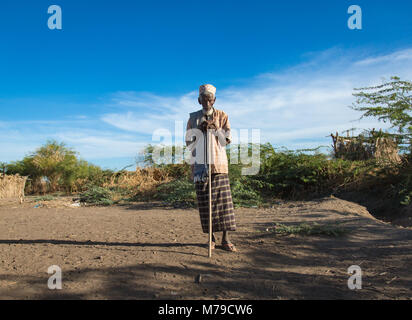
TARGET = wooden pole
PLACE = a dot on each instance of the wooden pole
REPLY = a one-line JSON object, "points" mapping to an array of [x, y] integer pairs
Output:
{"points": [[210, 191]]}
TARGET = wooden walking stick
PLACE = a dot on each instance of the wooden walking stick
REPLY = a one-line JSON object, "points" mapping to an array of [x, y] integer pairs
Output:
{"points": [[210, 191]]}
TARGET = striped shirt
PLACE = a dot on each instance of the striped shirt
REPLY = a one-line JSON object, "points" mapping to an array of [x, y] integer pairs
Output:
{"points": [[220, 119]]}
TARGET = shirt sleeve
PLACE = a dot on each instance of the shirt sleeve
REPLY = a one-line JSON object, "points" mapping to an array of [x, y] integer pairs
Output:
{"points": [[226, 128], [187, 138]]}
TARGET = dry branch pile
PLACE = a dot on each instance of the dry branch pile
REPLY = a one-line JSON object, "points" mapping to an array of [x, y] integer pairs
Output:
{"points": [[142, 180], [386, 151], [12, 187], [374, 146]]}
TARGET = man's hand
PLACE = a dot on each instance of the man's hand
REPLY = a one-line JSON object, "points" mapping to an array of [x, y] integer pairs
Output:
{"points": [[207, 124]]}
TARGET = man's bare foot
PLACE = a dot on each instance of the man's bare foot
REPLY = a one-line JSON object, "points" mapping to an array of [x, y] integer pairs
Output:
{"points": [[213, 245]]}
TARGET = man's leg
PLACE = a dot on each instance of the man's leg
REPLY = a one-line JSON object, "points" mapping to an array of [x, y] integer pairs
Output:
{"points": [[225, 238], [226, 244]]}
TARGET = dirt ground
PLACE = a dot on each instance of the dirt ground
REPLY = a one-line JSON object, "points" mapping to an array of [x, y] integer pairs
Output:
{"points": [[146, 251]]}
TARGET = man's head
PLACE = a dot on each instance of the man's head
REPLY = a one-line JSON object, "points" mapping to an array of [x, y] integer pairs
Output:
{"points": [[207, 96]]}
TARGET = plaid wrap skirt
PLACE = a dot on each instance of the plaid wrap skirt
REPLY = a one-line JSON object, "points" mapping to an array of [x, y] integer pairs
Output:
{"points": [[223, 215]]}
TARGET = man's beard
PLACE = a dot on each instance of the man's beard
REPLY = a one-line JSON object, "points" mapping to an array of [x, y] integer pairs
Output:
{"points": [[208, 111]]}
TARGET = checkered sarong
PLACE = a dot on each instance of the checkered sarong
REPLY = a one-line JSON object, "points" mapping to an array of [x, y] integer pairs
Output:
{"points": [[223, 215]]}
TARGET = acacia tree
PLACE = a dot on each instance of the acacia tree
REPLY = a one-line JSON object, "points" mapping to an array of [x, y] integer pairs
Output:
{"points": [[389, 102], [53, 160]]}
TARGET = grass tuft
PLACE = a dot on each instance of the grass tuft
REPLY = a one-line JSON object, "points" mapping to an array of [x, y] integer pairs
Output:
{"points": [[45, 198], [306, 229]]}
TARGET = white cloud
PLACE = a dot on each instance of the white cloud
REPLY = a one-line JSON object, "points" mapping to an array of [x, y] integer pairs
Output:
{"points": [[399, 56], [308, 101], [298, 108], [147, 112], [89, 143]]}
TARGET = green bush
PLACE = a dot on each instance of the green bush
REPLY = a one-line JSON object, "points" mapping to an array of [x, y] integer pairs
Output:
{"points": [[243, 194], [97, 196], [178, 193], [61, 167], [178, 171], [297, 175]]}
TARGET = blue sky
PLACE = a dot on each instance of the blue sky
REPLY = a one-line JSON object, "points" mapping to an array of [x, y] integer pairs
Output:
{"points": [[118, 70]]}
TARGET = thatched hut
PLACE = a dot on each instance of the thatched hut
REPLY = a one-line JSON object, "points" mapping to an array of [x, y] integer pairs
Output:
{"points": [[12, 187]]}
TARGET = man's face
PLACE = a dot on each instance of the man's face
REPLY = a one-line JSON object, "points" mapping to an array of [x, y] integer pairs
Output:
{"points": [[207, 101]]}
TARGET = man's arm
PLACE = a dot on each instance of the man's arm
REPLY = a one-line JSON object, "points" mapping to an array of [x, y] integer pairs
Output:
{"points": [[192, 135], [226, 129], [189, 140]]}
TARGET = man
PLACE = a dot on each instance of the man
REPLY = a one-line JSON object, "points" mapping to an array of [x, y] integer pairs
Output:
{"points": [[217, 122]]}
